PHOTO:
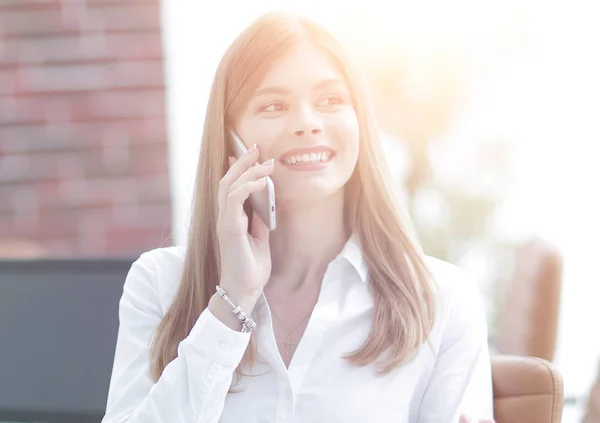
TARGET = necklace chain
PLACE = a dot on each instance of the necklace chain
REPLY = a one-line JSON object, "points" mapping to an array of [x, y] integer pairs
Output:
{"points": [[288, 341]]}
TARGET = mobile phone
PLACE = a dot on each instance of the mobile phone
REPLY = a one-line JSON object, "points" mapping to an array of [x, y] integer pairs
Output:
{"points": [[263, 201]]}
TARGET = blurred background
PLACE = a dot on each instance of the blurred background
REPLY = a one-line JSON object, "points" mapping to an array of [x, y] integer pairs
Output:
{"points": [[489, 112]]}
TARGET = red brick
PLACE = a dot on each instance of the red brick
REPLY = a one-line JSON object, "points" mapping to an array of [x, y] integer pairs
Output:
{"points": [[39, 20], [83, 106], [35, 167], [28, 5], [18, 226], [101, 2], [7, 229], [85, 165], [59, 223], [56, 17], [91, 243], [14, 168], [122, 161], [94, 192], [141, 215], [62, 247], [9, 81], [81, 48], [130, 103], [83, 77], [83, 147], [60, 137], [149, 160], [124, 16], [153, 189], [112, 2], [47, 195], [76, 193], [120, 242], [102, 192]]}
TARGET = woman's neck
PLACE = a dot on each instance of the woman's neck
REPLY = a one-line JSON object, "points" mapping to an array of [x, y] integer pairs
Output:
{"points": [[307, 238]]}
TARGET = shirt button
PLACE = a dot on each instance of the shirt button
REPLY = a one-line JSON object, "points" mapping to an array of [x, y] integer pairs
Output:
{"points": [[223, 345]]}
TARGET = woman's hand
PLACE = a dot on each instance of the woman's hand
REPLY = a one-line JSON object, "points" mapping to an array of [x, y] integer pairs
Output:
{"points": [[465, 419], [245, 257]]}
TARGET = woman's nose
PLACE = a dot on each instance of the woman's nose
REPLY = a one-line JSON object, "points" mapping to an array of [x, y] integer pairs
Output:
{"points": [[303, 132], [306, 122]]}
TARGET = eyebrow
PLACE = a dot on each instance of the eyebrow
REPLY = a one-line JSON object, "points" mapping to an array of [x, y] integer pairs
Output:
{"points": [[282, 91]]}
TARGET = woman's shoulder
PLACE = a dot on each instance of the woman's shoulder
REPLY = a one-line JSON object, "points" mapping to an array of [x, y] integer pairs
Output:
{"points": [[452, 283], [160, 269], [164, 257], [459, 301]]}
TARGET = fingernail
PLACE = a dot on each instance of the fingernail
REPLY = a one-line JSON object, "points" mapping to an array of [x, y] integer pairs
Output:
{"points": [[252, 149], [230, 160], [269, 162]]}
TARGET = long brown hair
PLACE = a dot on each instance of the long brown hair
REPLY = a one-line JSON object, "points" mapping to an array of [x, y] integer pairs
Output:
{"points": [[401, 284]]}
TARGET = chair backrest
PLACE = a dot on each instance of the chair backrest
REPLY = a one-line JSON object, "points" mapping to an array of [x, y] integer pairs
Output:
{"points": [[592, 408], [528, 321], [526, 390], [58, 330]]}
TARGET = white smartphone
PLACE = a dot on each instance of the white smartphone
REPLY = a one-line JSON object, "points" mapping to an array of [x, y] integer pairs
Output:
{"points": [[263, 201]]}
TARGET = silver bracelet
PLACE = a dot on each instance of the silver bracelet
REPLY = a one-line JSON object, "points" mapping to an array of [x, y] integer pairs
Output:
{"points": [[247, 323]]}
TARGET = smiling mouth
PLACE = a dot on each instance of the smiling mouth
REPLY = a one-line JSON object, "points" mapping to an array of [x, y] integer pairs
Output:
{"points": [[308, 158]]}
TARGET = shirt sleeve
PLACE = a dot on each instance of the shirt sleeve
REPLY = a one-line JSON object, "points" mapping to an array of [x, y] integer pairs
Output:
{"points": [[461, 381], [193, 386]]}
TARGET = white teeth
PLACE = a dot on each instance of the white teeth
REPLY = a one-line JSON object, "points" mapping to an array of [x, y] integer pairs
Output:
{"points": [[309, 158]]}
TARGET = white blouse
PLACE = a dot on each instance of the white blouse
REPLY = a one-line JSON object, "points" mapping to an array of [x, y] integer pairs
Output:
{"points": [[450, 374]]}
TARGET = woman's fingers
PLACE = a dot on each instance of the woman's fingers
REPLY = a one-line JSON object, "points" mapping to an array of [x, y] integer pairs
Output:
{"points": [[237, 168], [240, 194], [466, 419], [259, 230], [254, 173], [234, 192], [241, 165]]}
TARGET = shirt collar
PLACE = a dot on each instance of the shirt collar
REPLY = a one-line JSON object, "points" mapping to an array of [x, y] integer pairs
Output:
{"points": [[353, 253]]}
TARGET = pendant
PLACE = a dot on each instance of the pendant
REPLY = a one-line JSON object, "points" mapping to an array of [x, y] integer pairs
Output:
{"points": [[288, 344]]}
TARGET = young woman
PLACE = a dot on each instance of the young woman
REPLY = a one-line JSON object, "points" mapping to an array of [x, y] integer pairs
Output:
{"points": [[342, 317]]}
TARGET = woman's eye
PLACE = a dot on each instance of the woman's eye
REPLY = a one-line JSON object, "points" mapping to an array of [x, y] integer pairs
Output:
{"points": [[331, 100], [273, 107]]}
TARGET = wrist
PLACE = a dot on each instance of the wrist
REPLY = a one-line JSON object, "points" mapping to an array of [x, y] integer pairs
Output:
{"points": [[246, 300], [224, 311]]}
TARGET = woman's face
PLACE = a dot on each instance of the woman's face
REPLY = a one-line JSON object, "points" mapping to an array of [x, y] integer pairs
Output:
{"points": [[302, 116]]}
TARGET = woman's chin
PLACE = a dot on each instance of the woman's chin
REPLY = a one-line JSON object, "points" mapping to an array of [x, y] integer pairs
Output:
{"points": [[305, 195]]}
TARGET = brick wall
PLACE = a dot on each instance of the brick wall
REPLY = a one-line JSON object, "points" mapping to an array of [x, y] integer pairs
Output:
{"points": [[83, 148]]}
